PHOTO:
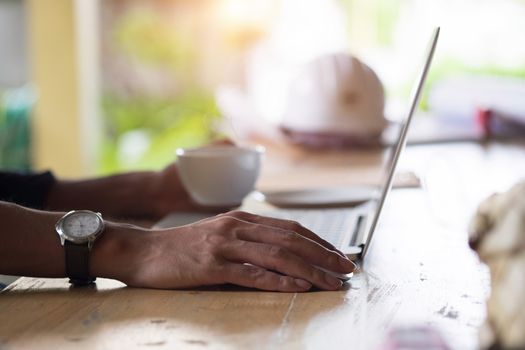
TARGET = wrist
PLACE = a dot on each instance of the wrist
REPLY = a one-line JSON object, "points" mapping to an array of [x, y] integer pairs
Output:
{"points": [[115, 254]]}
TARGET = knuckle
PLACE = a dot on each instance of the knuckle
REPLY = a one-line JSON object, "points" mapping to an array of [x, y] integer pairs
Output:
{"points": [[254, 272], [219, 266], [239, 244], [284, 281], [257, 277], [237, 214], [276, 252], [208, 263], [289, 237], [226, 223], [295, 225], [216, 239]]}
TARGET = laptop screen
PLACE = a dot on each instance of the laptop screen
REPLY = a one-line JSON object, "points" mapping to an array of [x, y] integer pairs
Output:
{"points": [[416, 95]]}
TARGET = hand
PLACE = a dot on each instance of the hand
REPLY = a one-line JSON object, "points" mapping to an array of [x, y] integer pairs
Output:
{"points": [[236, 247]]}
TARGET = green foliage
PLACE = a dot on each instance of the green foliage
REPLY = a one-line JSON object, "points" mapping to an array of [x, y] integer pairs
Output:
{"points": [[142, 131], [184, 121], [143, 36], [15, 143]]}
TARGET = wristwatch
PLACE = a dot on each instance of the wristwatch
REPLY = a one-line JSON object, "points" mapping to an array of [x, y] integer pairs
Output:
{"points": [[78, 230]]}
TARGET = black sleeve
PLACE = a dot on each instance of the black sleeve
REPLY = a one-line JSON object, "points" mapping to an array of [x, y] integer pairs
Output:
{"points": [[29, 190]]}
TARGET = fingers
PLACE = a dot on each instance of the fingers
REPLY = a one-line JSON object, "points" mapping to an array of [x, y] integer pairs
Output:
{"points": [[257, 277], [279, 259], [301, 246], [283, 224]]}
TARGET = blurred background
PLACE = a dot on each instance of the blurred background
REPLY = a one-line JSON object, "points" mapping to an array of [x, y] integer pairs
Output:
{"points": [[95, 87]]}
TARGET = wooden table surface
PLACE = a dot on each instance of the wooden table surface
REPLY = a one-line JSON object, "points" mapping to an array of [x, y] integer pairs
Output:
{"points": [[420, 272]]}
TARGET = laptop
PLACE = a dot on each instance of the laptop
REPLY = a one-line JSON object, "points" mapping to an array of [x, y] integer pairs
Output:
{"points": [[349, 229]]}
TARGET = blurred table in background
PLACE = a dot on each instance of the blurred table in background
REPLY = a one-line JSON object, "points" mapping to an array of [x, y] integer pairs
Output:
{"points": [[420, 271]]}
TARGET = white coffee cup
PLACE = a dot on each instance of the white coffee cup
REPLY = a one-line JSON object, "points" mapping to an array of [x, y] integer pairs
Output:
{"points": [[219, 175]]}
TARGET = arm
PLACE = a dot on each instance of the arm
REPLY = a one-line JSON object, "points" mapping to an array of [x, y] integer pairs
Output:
{"points": [[150, 194], [123, 195], [235, 247]]}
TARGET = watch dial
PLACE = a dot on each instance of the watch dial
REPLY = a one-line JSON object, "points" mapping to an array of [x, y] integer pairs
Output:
{"points": [[81, 225]]}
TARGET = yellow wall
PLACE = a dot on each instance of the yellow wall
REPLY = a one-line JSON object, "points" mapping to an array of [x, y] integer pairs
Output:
{"points": [[57, 125]]}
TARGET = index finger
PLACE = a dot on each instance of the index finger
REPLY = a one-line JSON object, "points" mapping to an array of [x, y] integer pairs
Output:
{"points": [[311, 251]]}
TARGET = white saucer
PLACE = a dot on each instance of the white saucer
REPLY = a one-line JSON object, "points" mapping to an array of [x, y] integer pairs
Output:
{"points": [[320, 197]]}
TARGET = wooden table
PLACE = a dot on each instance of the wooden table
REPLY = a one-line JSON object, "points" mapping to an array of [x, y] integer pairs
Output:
{"points": [[420, 273]]}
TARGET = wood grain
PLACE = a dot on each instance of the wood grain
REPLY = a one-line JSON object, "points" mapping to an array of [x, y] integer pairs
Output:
{"points": [[420, 271]]}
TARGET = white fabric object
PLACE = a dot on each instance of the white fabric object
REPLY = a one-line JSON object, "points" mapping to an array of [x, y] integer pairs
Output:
{"points": [[338, 94], [498, 234]]}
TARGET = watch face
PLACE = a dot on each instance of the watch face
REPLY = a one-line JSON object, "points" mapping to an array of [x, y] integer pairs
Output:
{"points": [[81, 225]]}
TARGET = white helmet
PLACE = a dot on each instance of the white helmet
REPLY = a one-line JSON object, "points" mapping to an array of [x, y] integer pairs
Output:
{"points": [[336, 95]]}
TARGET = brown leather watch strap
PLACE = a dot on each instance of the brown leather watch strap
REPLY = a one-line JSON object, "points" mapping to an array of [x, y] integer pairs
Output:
{"points": [[77, 263]]}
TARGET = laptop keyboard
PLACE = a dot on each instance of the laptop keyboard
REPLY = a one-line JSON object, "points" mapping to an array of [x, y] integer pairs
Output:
{"points": [[330, 224]]}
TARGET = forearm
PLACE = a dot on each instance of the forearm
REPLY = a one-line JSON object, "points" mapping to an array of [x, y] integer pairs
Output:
{"points": [[29, 245], [125, 195]]}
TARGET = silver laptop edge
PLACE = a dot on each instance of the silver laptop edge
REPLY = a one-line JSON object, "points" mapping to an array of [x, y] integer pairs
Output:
{"points": [[402, 139]]}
